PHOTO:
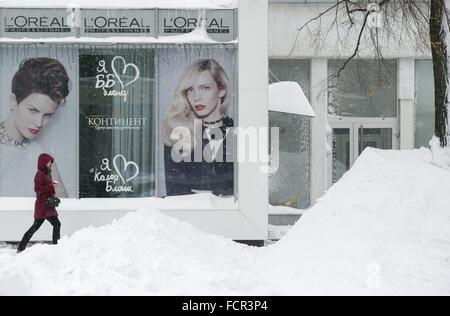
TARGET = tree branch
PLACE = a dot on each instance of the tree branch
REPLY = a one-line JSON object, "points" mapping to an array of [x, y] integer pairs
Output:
{"points": [[358, 44], [312, 20]]}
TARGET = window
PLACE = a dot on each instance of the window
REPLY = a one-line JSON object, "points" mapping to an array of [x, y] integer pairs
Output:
{"points": [[290, 185], [117, 145], [424, 100], [107, 115], [365, 88], [296, 70]]}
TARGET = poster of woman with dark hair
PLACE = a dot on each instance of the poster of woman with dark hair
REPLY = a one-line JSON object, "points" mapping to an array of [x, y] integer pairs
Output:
{"points": [[38, 90]]}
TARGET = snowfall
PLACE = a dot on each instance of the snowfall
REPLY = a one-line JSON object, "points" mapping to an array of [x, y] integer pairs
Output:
{"points": [[383, 229]]}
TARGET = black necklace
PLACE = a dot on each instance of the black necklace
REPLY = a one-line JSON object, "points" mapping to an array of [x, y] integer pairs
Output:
{"points": [[212, 123]]}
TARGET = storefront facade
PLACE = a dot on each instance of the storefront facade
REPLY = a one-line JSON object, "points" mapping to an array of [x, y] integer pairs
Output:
{"points": [[124, 65], [110, 92], [389, 109]]}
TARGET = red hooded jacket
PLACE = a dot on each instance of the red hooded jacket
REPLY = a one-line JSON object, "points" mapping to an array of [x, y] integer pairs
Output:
{"points": [[43, 186]]}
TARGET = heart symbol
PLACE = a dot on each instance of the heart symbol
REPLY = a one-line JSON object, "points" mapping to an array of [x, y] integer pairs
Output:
{"points": [[126, 165], [126, 66]]}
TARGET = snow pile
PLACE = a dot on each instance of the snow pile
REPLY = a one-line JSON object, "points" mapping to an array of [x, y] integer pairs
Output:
{"points": [[288, 97], [441, 156], [384, 229], [142, 253]]}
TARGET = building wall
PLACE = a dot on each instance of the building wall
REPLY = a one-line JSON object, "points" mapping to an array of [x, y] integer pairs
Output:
{"points": [[285, 42], [286, 18]]}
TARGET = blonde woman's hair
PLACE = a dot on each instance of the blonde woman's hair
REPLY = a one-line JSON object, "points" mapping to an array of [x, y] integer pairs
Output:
{"points": [[180, 114]]}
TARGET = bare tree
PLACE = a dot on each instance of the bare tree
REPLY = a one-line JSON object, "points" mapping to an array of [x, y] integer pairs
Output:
{"points": [[438, 40], [423, 22]]}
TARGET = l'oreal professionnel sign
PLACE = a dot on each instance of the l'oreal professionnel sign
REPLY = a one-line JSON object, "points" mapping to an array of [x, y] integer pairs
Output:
{"points": [[42, 23], [118, 23], [36, 23], [219, 23]]}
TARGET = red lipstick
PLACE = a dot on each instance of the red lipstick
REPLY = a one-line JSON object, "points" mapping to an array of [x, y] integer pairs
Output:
{"points": [[33, 131], [200, 107]]}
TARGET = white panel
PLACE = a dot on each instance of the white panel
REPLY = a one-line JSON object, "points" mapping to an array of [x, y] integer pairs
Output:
{"points": [[253, 183], [407, 124], [253, 41], [406, 95], [319, 100], [406, 76], [253, 108], [228, 223]]}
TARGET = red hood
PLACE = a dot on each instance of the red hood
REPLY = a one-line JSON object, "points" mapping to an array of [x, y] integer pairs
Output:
{"points": [[43, 160]]}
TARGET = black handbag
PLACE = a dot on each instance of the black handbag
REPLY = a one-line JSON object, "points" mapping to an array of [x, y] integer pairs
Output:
{"points": [[52, 202]]}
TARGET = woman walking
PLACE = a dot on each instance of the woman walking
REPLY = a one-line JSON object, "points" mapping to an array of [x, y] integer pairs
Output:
{"points": [[44, 188]]}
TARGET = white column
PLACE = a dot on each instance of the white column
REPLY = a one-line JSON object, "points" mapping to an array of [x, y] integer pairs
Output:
{"points": [[253, 107], [320, 153], [406, 87]]}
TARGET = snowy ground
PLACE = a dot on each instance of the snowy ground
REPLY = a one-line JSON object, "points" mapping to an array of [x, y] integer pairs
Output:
{"points": [[383, 229], [277, 232]]}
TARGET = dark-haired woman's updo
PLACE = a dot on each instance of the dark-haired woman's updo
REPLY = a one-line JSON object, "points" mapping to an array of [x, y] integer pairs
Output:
{"points": [[41, 75]]}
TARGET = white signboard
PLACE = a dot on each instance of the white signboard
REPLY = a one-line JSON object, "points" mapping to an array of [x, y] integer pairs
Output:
{"points": [[219, 23], [36, 23], [105, 23]]}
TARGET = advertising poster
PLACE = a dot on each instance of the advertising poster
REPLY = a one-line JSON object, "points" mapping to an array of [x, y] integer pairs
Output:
{"points": [[117, 97], [197, 100], [38, 93]]}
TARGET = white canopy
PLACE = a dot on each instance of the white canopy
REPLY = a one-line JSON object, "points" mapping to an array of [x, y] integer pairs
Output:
{"points": [[288, 97]]}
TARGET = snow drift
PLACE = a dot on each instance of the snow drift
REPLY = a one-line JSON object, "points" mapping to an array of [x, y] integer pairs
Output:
{"points": [[144, 253], [383, 229], [441, 156]]}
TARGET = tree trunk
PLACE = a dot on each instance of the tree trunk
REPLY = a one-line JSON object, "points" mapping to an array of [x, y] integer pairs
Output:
{"points": [[438, 34]]}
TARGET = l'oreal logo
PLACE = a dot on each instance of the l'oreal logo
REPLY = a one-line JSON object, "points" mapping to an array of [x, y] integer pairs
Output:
{"points": [[123, 22], [213, 25], [22, 21]]}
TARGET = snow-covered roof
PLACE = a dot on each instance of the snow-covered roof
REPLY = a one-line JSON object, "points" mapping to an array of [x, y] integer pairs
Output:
{"points": [[164, 4], [288, 97]]}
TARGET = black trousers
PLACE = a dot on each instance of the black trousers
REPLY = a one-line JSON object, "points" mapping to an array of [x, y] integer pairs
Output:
{"points": [[36, 225]]}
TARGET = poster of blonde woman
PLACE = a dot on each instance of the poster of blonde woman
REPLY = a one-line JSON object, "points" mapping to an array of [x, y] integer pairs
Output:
{"points": [[197, 106], [37, 116]]}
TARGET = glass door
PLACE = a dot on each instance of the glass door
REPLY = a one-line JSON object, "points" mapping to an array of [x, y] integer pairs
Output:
{"points": [[342, 153], [380, 138], [350, 139]]}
